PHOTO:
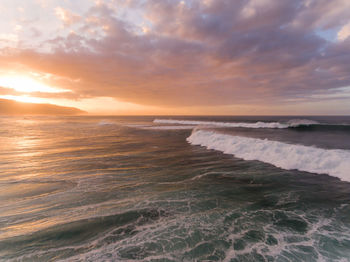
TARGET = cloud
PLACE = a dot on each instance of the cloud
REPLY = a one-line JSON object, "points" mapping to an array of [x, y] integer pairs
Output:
{"points": [[344, 32], [67, 17], [198, 53], [8, 38]]}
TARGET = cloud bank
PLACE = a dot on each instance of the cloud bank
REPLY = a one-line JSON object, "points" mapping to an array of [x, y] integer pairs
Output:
{"points": [[173, 53]]}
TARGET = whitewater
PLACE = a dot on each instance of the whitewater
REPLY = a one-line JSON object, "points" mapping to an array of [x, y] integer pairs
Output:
{"points": [[287, 156]]}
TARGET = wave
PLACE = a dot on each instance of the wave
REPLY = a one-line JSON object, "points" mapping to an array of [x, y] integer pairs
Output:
{"points": [[164, 127], [334, 162], [169, 127], [324, 127], [301, 122], [259, 124], [105, 123]]}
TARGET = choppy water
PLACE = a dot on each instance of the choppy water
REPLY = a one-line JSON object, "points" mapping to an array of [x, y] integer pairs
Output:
{"points": [[125, 188]]}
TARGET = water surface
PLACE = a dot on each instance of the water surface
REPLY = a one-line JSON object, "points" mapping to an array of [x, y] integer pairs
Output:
{"points": [[121, 188]]}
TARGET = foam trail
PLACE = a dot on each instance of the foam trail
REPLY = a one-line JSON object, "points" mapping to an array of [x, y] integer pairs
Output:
{"points": [[231, 124], [333, 162]]}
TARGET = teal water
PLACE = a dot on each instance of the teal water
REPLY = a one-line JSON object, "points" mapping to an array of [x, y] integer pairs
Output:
{"points": [[114, 189]]}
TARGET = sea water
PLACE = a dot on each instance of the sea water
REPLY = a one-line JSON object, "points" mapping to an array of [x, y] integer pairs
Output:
{"points": [[174, 188]]}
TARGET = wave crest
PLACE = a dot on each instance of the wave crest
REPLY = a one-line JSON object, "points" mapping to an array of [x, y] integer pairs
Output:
{"points": [[222, 124], [301, 122], [259, 124], [334, 162], [105, 123]]}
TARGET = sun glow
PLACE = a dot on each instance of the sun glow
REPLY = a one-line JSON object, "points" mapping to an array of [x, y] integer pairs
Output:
{"points": [[24, 98], [27, 84]]}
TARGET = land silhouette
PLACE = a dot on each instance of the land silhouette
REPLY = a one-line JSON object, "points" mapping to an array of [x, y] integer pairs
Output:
{"points": [[10, 107]]}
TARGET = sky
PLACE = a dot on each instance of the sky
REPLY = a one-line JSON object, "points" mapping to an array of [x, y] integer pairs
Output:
{"points": [[209, 57]]}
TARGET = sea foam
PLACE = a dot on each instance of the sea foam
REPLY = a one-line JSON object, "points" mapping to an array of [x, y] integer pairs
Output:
{"points": [[334, 162], [291, 123]]}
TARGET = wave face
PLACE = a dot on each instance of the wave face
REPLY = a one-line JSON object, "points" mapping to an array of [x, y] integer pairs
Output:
{"points": [[287, 156], [291, 123]]}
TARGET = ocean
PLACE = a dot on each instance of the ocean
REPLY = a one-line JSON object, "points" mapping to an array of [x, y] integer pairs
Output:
{"points": [[100, 188]]}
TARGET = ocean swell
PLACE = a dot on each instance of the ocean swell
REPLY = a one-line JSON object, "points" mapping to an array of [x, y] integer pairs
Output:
{"points": [[333, 162], [259, 124]]}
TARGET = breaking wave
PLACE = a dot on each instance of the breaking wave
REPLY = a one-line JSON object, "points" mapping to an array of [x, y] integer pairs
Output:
{"points": [[333, 162], [105, 123], [291, 123], [169, 127], [301, 122]]}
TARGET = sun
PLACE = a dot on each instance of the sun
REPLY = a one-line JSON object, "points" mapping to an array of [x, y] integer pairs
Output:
{"points": [[25, 99], [26, 84]]}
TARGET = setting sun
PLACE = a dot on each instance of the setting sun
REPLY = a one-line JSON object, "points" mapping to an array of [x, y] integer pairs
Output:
{"points": [[24, 98], [27, 84]]}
